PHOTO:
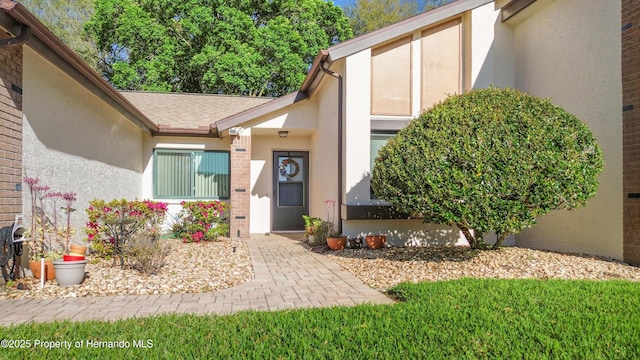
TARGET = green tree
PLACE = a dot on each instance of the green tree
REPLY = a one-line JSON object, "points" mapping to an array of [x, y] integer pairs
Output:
{"points": [[66, 19], [369, 15], [489, 160], [245, 47]]}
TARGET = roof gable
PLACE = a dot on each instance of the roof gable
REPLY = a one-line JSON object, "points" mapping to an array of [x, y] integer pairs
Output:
{"points": [[326, 57], [402, 28]]}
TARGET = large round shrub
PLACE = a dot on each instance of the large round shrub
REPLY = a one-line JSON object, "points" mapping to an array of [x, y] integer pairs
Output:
{"points": [[489, 160]]}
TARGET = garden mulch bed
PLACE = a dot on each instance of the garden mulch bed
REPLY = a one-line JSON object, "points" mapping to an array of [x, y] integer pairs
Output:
{"points": [[190, 268], [384, 268]]}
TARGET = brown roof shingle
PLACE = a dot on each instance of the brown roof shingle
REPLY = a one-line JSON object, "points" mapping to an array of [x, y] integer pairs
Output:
{"points": [[186, 111]]}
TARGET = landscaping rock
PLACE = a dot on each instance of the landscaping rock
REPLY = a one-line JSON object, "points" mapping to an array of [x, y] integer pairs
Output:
{"points": [[190, 268], [384, 268]]}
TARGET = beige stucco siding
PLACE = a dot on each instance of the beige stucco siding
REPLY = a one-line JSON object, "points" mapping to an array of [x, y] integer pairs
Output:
{"points": [[357, 127], [323, 156], [74, 141], [569, 51], [490, 49]]}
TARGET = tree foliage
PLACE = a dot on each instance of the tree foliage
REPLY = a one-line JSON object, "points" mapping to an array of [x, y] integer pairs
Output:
{"points": [[66, 18], [369, 15], [490, 160], [245, 47]]}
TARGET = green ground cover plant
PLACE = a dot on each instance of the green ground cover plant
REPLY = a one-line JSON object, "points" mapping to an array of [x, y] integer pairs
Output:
{"points": [[461, 319]]}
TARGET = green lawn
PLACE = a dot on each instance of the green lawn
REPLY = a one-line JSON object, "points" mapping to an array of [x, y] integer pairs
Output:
{"points": [[529, 319]]}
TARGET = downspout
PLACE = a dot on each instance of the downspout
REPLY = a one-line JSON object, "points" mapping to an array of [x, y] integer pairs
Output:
{"points": [[25, 35], [340, 150]]}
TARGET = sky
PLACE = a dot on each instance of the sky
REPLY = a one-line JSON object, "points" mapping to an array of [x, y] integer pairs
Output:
{"points": [[341, 3]]}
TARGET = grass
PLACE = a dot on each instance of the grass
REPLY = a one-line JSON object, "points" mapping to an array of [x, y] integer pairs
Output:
{"points": [[462, 319]]}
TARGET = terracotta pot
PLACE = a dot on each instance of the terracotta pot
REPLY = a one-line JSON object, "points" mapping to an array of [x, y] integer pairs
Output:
{"points": [[376, 241], [336, 243], [78, 249], [49, 270]]}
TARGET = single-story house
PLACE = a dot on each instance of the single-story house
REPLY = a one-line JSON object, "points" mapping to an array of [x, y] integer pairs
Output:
{"points": [[276, 159]]}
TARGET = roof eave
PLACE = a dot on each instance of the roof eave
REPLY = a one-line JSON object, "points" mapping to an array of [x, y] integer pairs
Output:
{"points": [[401, 28], [513, 8], [315, 73], [202, 131], [260, 110]]}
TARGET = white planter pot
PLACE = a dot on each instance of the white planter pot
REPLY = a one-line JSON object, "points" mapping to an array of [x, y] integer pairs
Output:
{"points": [[69, 273]]}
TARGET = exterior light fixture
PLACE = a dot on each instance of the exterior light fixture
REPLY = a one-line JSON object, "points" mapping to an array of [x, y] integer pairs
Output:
{"points": [[283, 133]]}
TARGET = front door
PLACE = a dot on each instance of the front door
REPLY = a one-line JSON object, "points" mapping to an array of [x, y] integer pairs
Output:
{"points": [[290, 189]]}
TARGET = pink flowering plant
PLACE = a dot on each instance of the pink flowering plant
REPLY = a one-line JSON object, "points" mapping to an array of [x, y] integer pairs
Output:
{"points": [[202, 221], [145, 216], [45, 231]]}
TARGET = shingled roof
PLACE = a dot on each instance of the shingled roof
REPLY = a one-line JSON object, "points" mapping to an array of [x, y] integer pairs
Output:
{"points": [[187, 113]]}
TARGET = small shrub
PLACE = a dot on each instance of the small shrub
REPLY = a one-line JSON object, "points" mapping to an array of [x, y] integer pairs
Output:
{"points": [[145, 254], [202, 220], [178, 226], [149, 215]]}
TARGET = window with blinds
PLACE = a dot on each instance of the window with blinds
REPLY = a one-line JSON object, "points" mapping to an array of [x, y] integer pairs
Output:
{"points": [[188, 174]]}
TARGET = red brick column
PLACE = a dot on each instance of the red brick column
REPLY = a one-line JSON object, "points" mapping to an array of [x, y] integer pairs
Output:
{"points": [[10, 132], [240, 184], [631, 128]]}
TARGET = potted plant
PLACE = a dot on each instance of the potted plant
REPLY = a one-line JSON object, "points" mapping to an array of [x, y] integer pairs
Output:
{"points": [[70, 272], [48, 240], [36, 233], [311, 225], [335, 240], [376, 241]]}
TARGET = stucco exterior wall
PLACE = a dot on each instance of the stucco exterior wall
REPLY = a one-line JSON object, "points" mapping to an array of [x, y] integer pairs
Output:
{"points": [[492, 49], [323, 156], [569, 51], [74, 141], [357, 128]]}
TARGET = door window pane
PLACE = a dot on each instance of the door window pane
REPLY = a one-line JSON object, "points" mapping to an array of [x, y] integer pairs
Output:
{"points": [[291, 194], [291, 168]]}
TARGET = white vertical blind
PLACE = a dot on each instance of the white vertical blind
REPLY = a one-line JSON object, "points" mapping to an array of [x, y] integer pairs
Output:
{"points": [[173, 174], [192, 174], [212, 174]]}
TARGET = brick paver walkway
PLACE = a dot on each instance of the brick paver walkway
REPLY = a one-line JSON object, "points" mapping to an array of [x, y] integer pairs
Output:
{"points": [[287, 276]]}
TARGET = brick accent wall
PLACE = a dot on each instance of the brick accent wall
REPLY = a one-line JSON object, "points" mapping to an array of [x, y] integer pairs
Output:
{"points": [[10, 132], [240, 185], [631, 128]]}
